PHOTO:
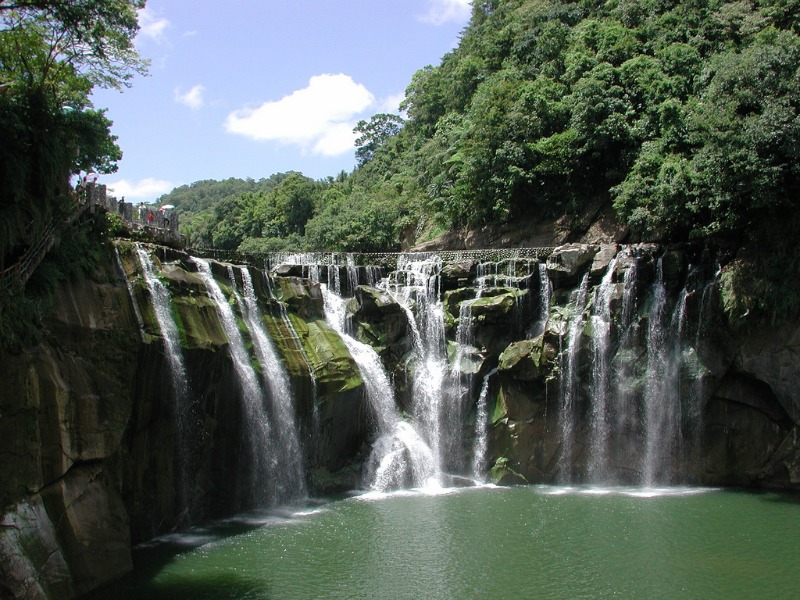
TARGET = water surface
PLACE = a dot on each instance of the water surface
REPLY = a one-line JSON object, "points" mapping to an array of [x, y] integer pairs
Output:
{"points": [[525, 542]]}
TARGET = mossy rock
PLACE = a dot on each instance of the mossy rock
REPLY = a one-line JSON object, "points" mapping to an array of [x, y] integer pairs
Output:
{"points": [[182, 282], [453, 299], [500, 304], [469, 363], [372, 301], [525, 360], [457, 274], [501, 473], [301, 296], [198, 321], [333, 366]]}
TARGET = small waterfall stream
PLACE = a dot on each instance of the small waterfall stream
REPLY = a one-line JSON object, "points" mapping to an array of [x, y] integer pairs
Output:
{"points": [[601, 375], [290, 478], [661, 403], [263, 464], [182, 404], [481, 431], [569, 381], [399, 458]]}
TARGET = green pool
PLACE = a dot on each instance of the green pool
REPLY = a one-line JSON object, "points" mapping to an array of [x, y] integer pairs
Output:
{"points": [[525, 542]]}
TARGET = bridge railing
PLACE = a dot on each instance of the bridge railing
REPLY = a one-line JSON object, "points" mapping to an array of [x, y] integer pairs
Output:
{"points": [[15, 277], [88, 199], [385, 259]]}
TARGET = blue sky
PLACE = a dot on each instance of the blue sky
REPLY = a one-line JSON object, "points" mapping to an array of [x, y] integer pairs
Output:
{"points": [[248, 88]]}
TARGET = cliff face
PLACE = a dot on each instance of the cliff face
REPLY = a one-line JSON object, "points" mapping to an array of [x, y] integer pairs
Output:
{"points": [[65, 408], [88, 443], [97, 453]]}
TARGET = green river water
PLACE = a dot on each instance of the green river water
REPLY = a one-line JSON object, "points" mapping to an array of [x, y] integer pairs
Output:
{"points": [[525, 542]]}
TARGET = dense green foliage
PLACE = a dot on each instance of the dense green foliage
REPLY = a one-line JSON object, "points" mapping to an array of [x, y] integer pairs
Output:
{"points": [[683, 116]]}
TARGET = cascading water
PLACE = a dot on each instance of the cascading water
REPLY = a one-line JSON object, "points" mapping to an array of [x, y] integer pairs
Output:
{"points": [[399, 458], [136, 311], [259, 474], [545, 294], [623, 409], [183, 409], [661, 400], [622, 378], [568, 380], [163, 311], [290, 482], [416, 283], [481, 431], [601, 326], [696, 404]]}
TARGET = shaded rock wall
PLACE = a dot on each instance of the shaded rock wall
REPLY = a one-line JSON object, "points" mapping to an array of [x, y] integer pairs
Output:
{"points": [[65, 407], [95, 453]]}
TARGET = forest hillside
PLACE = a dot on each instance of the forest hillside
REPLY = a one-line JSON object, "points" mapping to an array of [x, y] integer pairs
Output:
{"points": [[682, 119]]}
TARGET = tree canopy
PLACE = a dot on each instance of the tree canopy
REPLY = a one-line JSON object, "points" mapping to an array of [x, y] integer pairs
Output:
{"points": [[52, 54]]}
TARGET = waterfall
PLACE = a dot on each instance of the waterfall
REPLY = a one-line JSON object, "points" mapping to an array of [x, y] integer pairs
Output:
{"points": [[623, 408], [289, 478], [399, 458], [625, 401], [569, 380], [256, 420], [297, 344], [481, 431], [183, 411], [697, 398], [601, 326], [662, 426], [417, 283], [136, 311], [545, 294], [169, 330]]}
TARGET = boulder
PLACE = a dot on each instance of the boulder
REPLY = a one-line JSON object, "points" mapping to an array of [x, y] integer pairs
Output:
{"points": [[457, 274], [568, 262], [601, 261], [380, 321], [288, 271], [301, 296], [527, 360], [496, 303]]}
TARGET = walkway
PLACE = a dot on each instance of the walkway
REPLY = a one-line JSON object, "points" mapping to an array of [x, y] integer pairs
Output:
{"points": [[94, 197]]}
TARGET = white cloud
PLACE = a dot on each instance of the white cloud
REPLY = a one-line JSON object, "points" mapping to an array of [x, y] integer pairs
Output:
{"points": [[151, 26], [319, 117], [391, 104], [147, 189], [443, 11], [192, 98]]}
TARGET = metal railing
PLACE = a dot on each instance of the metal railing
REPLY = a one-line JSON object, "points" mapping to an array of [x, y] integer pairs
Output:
{"points": [[384, 259]]}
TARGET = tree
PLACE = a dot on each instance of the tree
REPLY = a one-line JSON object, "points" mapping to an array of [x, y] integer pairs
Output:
{"points": [[51, 45], [374, 133], [52, 54]]}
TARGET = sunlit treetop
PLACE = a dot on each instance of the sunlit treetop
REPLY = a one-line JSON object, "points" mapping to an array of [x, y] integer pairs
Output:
{"points": [[66, 47]]}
